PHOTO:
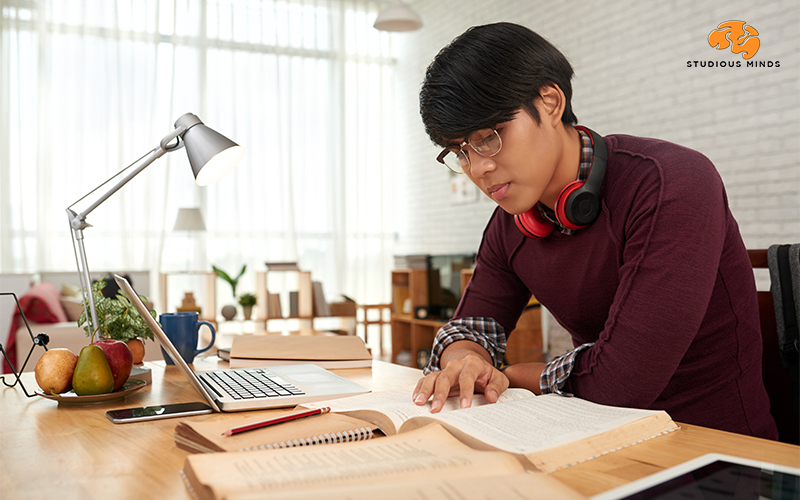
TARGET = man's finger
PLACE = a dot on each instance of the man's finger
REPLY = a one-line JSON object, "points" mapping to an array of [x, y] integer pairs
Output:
{"points": [[443, 385], [498, 383], [424, 389]]}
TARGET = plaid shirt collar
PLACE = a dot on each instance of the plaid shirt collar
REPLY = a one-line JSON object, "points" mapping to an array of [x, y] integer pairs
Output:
{"points": [[583, 173]]}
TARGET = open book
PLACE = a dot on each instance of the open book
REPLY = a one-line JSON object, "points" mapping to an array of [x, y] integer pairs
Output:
{"points": [[206, 436], [428, 461], [545, 432], [328, 352]]}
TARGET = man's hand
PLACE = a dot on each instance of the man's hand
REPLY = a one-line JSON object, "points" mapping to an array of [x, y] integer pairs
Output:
{"points": [[463, 375]]}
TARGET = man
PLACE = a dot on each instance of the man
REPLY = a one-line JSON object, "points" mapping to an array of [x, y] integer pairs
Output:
{"points": [[641, 262]]}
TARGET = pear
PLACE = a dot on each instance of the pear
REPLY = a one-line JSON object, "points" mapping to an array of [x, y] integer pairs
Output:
{"points": [[92, 373]]}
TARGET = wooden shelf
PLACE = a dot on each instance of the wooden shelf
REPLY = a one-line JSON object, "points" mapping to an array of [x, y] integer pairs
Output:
{"points": [[305, 303], [410, 291], [208, 301], [412, 335]]}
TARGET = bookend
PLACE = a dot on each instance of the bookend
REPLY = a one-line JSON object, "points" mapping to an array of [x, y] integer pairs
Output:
{"points": [[40, 340]]}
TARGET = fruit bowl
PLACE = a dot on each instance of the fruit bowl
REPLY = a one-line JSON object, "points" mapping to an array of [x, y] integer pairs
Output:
{"points": [[70, 398]]}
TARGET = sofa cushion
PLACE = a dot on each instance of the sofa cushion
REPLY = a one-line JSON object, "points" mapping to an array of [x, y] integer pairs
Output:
{"points": [[73, 307], [40, 304]]}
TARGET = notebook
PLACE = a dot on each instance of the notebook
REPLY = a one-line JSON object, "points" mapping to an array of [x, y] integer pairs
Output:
{"points": [[206, 436], [296, 384]]}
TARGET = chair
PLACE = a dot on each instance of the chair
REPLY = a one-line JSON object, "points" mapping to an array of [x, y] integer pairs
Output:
{"points": [[777, 380]]}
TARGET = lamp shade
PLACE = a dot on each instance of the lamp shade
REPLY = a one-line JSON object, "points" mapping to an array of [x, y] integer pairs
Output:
{"points": [[189, 219], [211, 154], [398, 17]]}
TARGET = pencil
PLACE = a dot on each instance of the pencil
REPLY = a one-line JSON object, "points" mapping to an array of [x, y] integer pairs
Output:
{"points": [[278, 420]]}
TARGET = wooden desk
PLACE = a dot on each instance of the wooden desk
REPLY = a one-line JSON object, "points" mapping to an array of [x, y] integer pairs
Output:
{"points": [[53, 451]]}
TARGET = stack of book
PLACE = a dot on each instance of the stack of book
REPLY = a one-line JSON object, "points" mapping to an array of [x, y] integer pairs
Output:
{"points": [[411, 261]]}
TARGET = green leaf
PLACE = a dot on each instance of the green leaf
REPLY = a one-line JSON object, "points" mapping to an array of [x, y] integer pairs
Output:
{"points": [[117, 316], [222, 274]]}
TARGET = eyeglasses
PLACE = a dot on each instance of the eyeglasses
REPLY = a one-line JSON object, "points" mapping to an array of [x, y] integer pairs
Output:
{"points": [[485, 142]]}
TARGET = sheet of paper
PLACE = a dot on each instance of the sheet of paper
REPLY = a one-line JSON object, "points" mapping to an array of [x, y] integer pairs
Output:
{"points": [[399, 406], [533, 424]]}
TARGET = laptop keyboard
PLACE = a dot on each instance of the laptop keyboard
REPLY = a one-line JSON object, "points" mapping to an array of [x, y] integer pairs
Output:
{"points": [[253, 383]]}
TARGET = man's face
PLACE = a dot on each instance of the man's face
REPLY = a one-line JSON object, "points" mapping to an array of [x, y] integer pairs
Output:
{"points": [[522, 173]]}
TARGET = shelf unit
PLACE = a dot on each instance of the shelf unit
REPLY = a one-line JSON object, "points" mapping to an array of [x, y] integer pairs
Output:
{"points": [[409, 334], [305, 298], [305, 304], [208, 299]]}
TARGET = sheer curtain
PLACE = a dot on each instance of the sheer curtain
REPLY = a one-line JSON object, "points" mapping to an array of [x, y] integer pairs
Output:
{"points": [[305, 86]]}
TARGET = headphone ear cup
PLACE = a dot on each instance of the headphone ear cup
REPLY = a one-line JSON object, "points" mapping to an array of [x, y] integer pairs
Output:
{"points": [[564, 205], [533, 225]]}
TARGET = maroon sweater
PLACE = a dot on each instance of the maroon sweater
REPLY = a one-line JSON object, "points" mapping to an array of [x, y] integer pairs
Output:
{"points": [[661, 283]]}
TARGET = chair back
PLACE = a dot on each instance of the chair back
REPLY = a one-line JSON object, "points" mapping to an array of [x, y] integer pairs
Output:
{"points": [[777, 380]]}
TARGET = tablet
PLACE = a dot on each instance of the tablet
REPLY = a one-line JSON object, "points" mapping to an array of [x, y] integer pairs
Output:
{"points": [[714, 476]]}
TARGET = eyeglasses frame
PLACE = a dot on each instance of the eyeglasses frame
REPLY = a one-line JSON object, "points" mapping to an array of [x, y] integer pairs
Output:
{"points": [[451, 149]]}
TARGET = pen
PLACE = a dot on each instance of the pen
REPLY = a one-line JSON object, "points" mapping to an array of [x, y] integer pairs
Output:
{"points": [[278, 420]]}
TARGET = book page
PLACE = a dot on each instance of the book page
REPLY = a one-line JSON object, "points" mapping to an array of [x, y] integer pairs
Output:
{"points": [[511, 487], [533, 424], [389, 409], [418, 455]]}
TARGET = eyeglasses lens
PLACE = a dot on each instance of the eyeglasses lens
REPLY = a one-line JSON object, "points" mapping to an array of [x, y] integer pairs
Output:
{"points": [[485, 142], [456, 161]]}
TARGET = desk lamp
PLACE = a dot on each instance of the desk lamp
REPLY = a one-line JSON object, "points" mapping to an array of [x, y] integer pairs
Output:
{"points": [[211, 156]]}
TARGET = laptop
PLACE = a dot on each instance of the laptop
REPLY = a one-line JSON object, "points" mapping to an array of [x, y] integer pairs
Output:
{"points": [[259, 388]]}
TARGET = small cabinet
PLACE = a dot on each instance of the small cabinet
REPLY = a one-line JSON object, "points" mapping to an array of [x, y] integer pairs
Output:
{"points": [[412, 338]]}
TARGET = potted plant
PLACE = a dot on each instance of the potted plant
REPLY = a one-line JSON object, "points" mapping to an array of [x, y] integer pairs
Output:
{"points": [[247, 301], [229, 312], [119, 320]]}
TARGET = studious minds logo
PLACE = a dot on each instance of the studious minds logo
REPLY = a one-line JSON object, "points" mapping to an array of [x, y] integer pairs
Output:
{"points": [[741, 39]]}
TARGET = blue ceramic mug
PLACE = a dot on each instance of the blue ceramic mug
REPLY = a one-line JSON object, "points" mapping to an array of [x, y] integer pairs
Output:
{"points": [[183, 330]]}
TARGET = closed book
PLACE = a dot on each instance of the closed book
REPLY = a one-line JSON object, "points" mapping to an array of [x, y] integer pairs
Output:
{"points": [[207, 436], [328, 352], [282, 266], [321, 307]]}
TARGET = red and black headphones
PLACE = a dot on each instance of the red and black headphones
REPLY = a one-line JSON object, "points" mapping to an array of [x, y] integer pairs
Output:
{"points": [[578, 204]]}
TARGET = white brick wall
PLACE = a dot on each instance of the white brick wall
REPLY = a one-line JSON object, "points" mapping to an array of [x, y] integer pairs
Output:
{"points": [[631, 77]]}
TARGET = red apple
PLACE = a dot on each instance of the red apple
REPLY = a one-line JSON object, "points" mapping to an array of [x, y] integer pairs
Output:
{"points": [[119, 358]]}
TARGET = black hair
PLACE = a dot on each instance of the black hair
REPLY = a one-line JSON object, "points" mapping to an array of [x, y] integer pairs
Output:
{"points": [[485, 75]]}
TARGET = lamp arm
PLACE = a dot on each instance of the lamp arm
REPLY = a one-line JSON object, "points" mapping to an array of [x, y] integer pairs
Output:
{"points": [[77, 221]]}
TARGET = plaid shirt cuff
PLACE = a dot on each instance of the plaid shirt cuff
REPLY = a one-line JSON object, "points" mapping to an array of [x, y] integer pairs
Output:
{"points": [[556, 372], [485, 332]]}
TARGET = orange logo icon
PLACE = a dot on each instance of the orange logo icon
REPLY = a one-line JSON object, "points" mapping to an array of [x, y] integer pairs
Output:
{"points": [[734, 34]]}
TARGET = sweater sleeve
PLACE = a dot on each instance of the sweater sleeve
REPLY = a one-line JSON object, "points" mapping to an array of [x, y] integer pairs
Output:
{"points": [[495, 291], [674, 230]]}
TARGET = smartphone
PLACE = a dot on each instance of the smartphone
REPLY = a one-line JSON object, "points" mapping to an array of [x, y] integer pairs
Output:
{"points": [[155, 412]]}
